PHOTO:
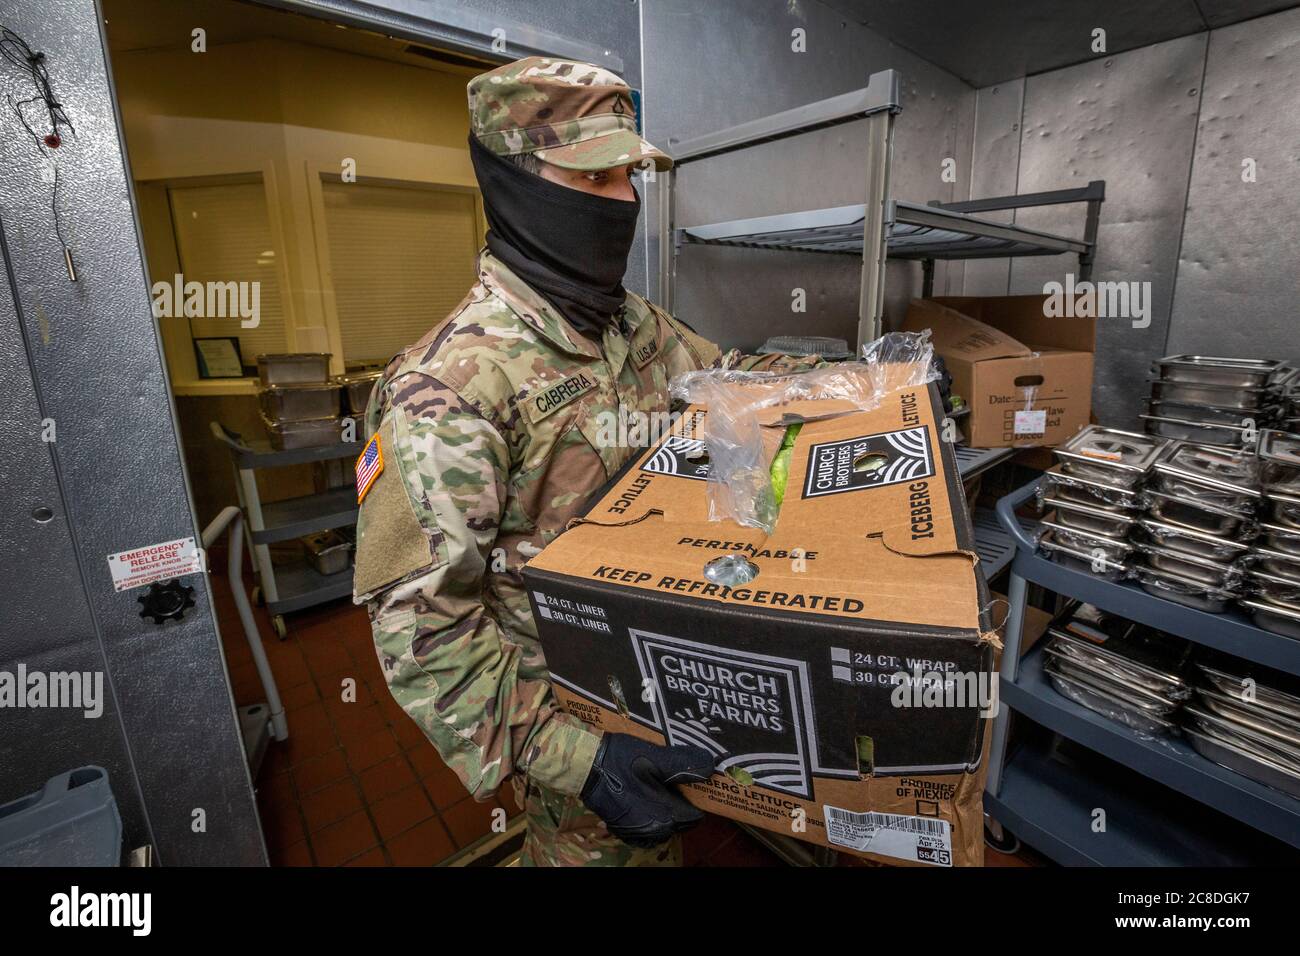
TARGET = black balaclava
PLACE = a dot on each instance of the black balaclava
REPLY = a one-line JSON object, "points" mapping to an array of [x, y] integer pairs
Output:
{"points": [[568, 245]]}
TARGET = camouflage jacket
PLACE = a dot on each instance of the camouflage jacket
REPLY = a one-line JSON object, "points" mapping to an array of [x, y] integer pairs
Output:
{"points": [[490, 431]]}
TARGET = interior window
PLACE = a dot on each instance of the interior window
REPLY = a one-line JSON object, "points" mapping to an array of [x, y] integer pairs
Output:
{"points": [[223, 236], [401, 258]]}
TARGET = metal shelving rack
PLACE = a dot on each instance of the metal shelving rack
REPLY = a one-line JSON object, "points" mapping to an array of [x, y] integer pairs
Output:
{"points": [[295, 585], [1042, 801], [877, 229]]}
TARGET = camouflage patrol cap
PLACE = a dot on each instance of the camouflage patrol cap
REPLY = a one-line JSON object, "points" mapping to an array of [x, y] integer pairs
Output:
{"points": [[574, 115]]}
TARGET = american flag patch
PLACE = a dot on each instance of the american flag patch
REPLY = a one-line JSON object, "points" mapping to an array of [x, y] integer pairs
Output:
{"points": [[369, 464]]}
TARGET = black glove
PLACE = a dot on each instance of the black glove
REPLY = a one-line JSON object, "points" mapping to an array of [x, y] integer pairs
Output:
{"points": [[631, 787]]}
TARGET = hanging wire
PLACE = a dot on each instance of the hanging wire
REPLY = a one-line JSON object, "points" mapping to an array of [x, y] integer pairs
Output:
{"points": [[16, 52]]}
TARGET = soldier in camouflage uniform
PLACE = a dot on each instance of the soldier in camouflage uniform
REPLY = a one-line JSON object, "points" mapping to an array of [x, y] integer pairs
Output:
{"points": [[486, 437]]}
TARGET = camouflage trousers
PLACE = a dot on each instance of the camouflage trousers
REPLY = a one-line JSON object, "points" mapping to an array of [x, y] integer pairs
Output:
{"points": [[563, 832]]}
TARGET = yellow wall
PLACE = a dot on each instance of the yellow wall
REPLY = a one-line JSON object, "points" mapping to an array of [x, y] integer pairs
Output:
{"points": [[288, 112]]}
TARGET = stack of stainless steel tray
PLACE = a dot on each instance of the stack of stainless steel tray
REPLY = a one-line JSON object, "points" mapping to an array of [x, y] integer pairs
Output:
{"points": [[1094, 496], [299, 403], [1128, 673], [1246, 726], [1213, 400], [1201, 501], [1273, 581]]}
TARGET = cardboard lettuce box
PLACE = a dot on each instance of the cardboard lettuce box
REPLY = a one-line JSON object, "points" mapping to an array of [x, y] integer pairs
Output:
{"points": [[1027, 377], [844, 689]]}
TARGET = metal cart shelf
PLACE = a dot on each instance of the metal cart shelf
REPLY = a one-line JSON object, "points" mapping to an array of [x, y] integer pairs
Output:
{"points": [[1051, 803], [914, 232], [293, 585], [878, 229], [1032, 807]]}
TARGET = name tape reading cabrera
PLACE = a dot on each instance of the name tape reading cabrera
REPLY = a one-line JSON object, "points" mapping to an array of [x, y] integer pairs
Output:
{"points": [[813, 602]]}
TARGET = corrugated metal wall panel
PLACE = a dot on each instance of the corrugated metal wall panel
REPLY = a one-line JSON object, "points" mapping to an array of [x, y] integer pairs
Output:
{"points": [[1238, 283]]}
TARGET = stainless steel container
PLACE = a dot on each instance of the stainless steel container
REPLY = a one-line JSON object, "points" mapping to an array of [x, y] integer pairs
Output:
{"points": [[1220, 477], [357, 386], [1261, 694], [1109, 455], [1089, 491], [1093, 520], [1186, 591], [1114, 548], [1207, 573], [1280, 538], [1281, 564], [1206, 414], [327, 552], [1122, 661], [1219, 396], [1284, 485], [1112, 681], [1279, 459], [1216, 370], [1227, 731], [1259, 719], [1079, 559], [1277, 748], [289, 435], [1273, 617], [1285, 377], [1203, 433], [294, 368], [1190, 541], [1199, 517], [1108, 705], [1245, 762], [299, 403], [1282, 508]]}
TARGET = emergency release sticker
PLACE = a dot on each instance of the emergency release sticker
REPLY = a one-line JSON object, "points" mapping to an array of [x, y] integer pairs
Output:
{"points": [[922, 839], [156, 562]]}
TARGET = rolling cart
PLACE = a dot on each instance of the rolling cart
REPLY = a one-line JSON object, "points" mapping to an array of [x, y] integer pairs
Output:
{"points": [[1051, 802], [295, 585]]}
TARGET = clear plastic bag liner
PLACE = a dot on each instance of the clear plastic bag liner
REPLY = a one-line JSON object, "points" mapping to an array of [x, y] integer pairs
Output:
{"points": [[739, 485], [1054, 481], [1110, 707]]}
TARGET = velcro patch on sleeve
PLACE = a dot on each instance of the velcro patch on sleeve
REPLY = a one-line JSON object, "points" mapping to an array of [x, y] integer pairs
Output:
{"points": [[546, 397]]}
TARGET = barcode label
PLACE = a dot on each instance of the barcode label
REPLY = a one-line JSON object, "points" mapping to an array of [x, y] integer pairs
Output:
{"points": [[925, 839]]}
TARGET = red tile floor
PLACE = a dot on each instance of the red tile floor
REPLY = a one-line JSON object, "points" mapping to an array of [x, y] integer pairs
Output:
{"points": [[357, 784]]}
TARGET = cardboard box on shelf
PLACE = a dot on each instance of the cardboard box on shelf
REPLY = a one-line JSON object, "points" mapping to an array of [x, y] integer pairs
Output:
{"points": [[1027, 377], [845, 690]]}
